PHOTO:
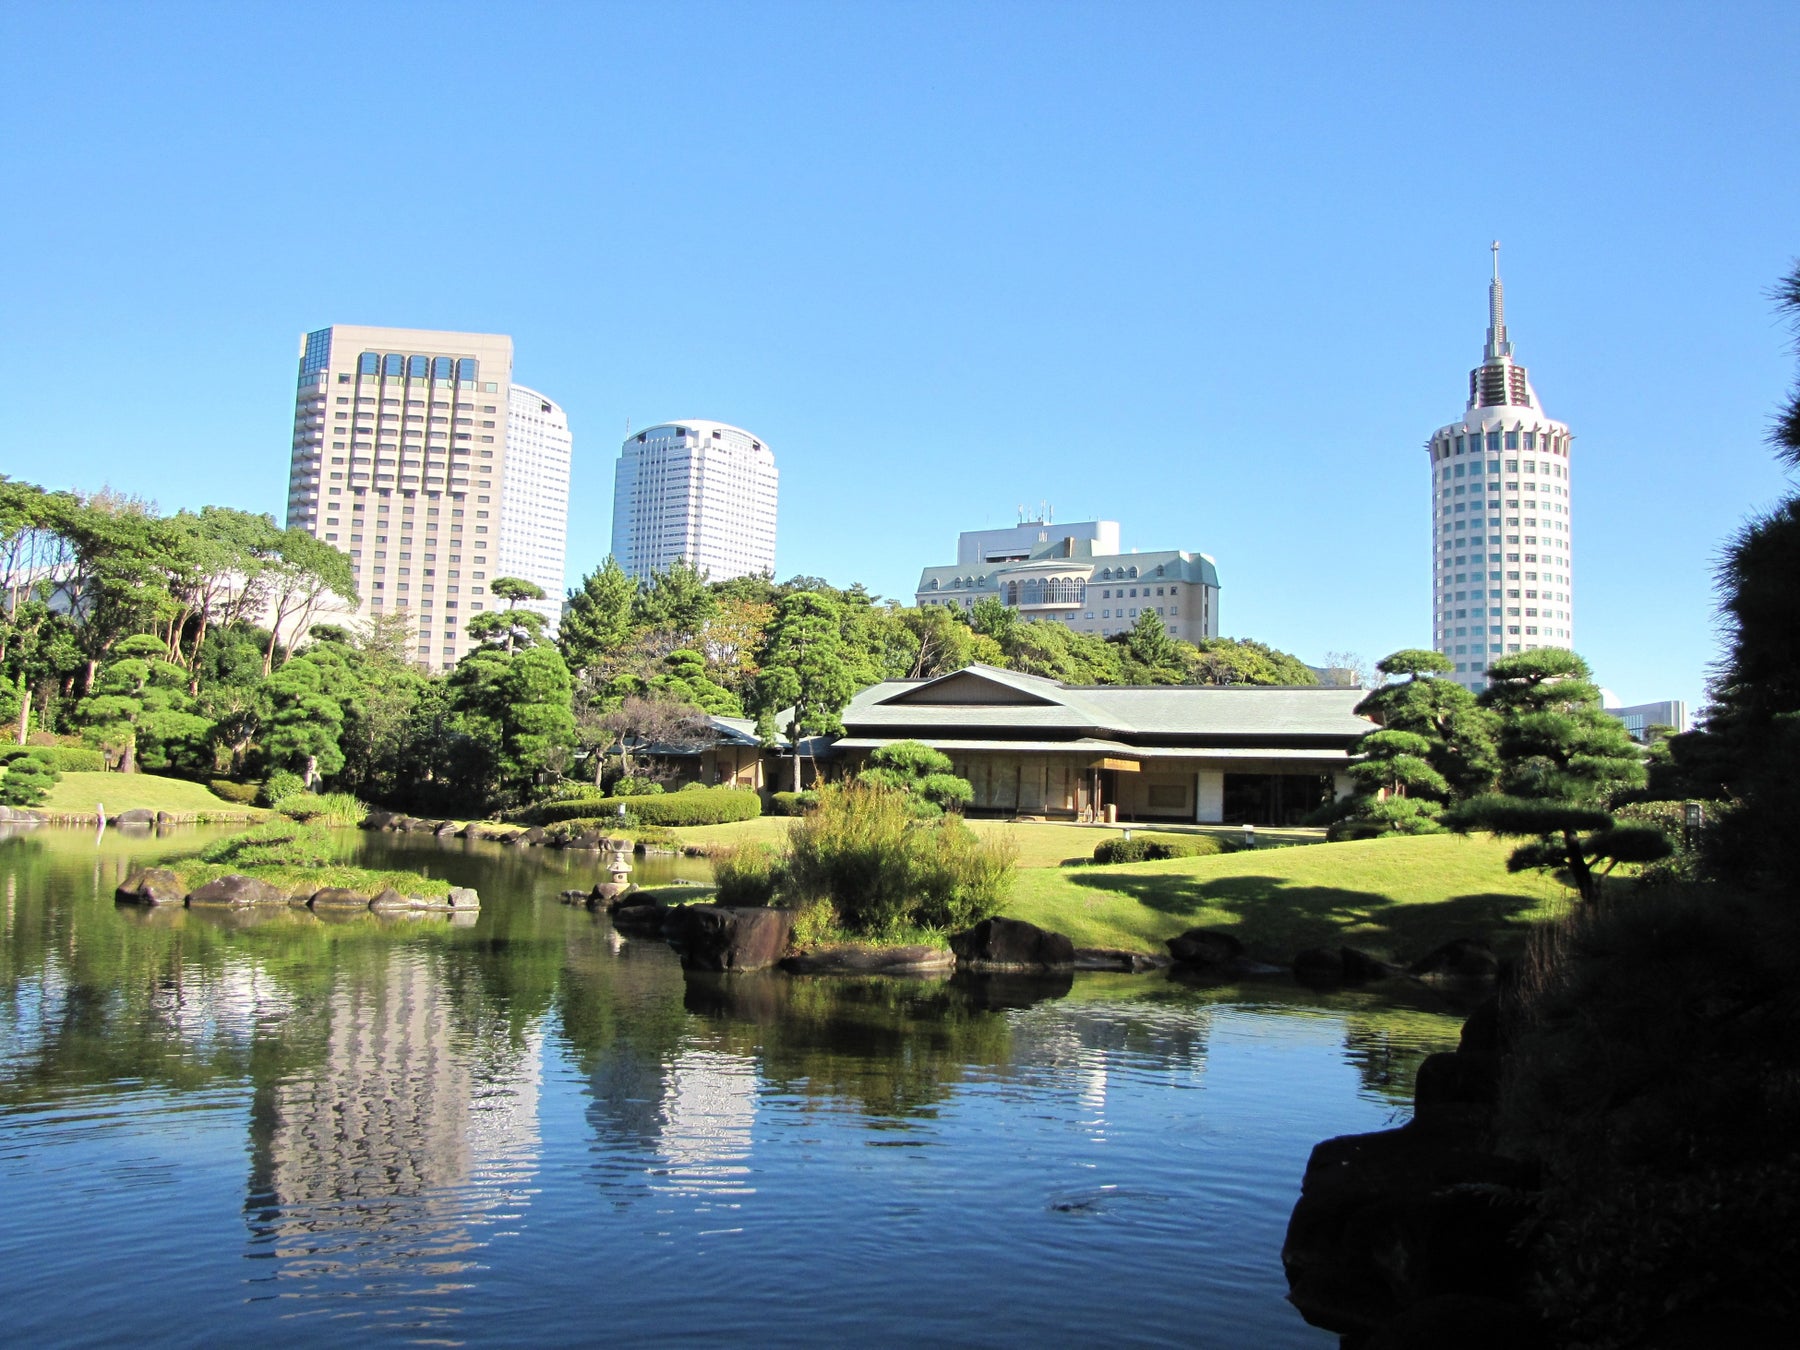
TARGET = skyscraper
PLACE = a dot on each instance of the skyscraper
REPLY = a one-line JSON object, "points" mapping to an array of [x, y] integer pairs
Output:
{"points": [[1501, 518], [703, 491], [401, 454], [534, 506]]}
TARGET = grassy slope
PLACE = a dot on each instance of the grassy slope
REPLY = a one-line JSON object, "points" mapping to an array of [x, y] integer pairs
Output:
{"points": [[78, 793], [1398, 897]]}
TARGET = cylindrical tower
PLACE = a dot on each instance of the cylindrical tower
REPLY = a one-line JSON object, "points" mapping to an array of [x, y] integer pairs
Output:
{"points": [[1501, 522]]}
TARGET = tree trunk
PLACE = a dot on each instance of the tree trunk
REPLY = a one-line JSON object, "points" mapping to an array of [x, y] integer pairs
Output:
{"points": [[24, 709], [1587, 885], [128, 761], [796, 749]]}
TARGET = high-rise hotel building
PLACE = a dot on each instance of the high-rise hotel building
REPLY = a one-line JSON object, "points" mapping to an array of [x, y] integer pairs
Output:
{"points": [[703, 491], [404, 441], [1501, 516]]}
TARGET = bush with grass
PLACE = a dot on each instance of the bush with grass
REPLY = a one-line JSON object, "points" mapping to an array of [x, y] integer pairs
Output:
{"points": [[324, 808], [1145, 848], [750, 875], [637, 787], [241, 794], [708, 806], [276, 843], [866, 856]]}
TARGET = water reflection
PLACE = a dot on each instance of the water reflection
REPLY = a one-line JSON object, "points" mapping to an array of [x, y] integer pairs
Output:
{"points": [[418, 1125]]}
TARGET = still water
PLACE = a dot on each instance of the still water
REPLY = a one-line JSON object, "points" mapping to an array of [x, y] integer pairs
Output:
{"points": [[532, 1131]]}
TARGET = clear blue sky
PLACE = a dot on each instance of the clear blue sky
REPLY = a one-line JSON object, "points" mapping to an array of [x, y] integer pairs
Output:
{"points": [[1215, 271]]}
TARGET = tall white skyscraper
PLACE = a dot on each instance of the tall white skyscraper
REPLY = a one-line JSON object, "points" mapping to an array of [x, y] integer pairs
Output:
{"points": [[534, 508], [401, 459], [703, 491], [1502, 577]]}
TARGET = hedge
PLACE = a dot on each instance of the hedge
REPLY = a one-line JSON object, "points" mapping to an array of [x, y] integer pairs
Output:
{"points": [[242, 794], [62, 758], [792, 803], [709, 806], [1142, 849]]}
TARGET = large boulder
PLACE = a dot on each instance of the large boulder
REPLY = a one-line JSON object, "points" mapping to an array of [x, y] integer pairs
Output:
{"points": [[854, 959], [639, 920], [338, 897], [388, 901], [1391, 1219], [151, 886], [380, 820], [449, 827], [1458, 961], [19, 815], [1468, 1322], [1012, 944], [1206, 949], [728, 937], [136, 816], [236, 891]]}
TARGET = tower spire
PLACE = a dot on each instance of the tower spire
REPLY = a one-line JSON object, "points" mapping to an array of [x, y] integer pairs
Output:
{"points": [[1497, 344]]}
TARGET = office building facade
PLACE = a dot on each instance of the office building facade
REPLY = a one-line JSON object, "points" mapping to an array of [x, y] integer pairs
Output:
{"points": [[1076, 575], [1501, 516], [702, 491], [400, 460], [534, 507]]}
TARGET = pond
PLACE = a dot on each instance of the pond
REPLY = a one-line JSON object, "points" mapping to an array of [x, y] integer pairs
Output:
{"points": [[532, 1130]]}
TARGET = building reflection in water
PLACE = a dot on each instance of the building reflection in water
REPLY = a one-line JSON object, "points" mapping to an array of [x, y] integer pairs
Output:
{"points": [[400, 1145]]}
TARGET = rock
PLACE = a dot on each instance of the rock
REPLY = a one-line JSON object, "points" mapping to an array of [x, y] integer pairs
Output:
{"points": [[164, 818], [1360, 966], [585, 839], [738, 938], [463, 897], [235, 891], [1012, 944], [1387, 1220], [640, 920], [338, 897], [1458, 961], [608, 894], [1483, 1031], [572, 897], [1112, 958], [152, 886], [1206, 948], [387, 900], [1319, 965], [1458, 1078], [136, 816], [449, 827], [380, 820], [858, 960], [535, 835], [18, 815], [1468, 1322]]}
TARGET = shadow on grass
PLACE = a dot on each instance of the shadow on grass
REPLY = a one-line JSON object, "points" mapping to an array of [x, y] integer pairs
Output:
{"points": [[1275, 917]]}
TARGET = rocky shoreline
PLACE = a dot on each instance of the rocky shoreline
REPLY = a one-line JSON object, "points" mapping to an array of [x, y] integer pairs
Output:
{"points": [[157, 886]]}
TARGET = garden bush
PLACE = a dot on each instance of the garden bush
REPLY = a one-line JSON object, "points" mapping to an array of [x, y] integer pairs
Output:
{"points": [[960, 877], [792, 803], [278, 785], [1145, 848], [243, 794], [637, 787], [750, 875], [74, 758]]}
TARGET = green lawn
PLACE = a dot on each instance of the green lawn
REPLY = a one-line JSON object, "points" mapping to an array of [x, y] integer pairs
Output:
{"points": [[80, 793], [1397, 897]]}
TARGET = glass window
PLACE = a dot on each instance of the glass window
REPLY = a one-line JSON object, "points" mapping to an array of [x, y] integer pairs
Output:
{"points": [[1512, 440], [465, 369], [393, 364], [1493, 442], [440, 368], [369, 363], [418, 366], [1459, 445]]}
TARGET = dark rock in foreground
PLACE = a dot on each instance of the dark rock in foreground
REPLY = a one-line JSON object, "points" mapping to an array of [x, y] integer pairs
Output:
{"points": [[721, 937], [1458, 961], [236, 891], [1465, 1321], [856, 960], [137, 816], [1340, 965], [1206, 949], [1012, 945], [338, 897], [152, 886]]}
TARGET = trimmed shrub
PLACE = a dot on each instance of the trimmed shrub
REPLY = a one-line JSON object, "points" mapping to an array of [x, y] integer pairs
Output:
{"points": [[1144, 848], [242, 794], [27, 780], [709, 806], [792, 803], [637, 787], [278, 785], [747, 876], [74, 758]]}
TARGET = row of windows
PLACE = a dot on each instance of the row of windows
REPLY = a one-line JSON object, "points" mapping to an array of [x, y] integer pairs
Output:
{"points": [[462, 369], [1530, 466], [1496, 441]]}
